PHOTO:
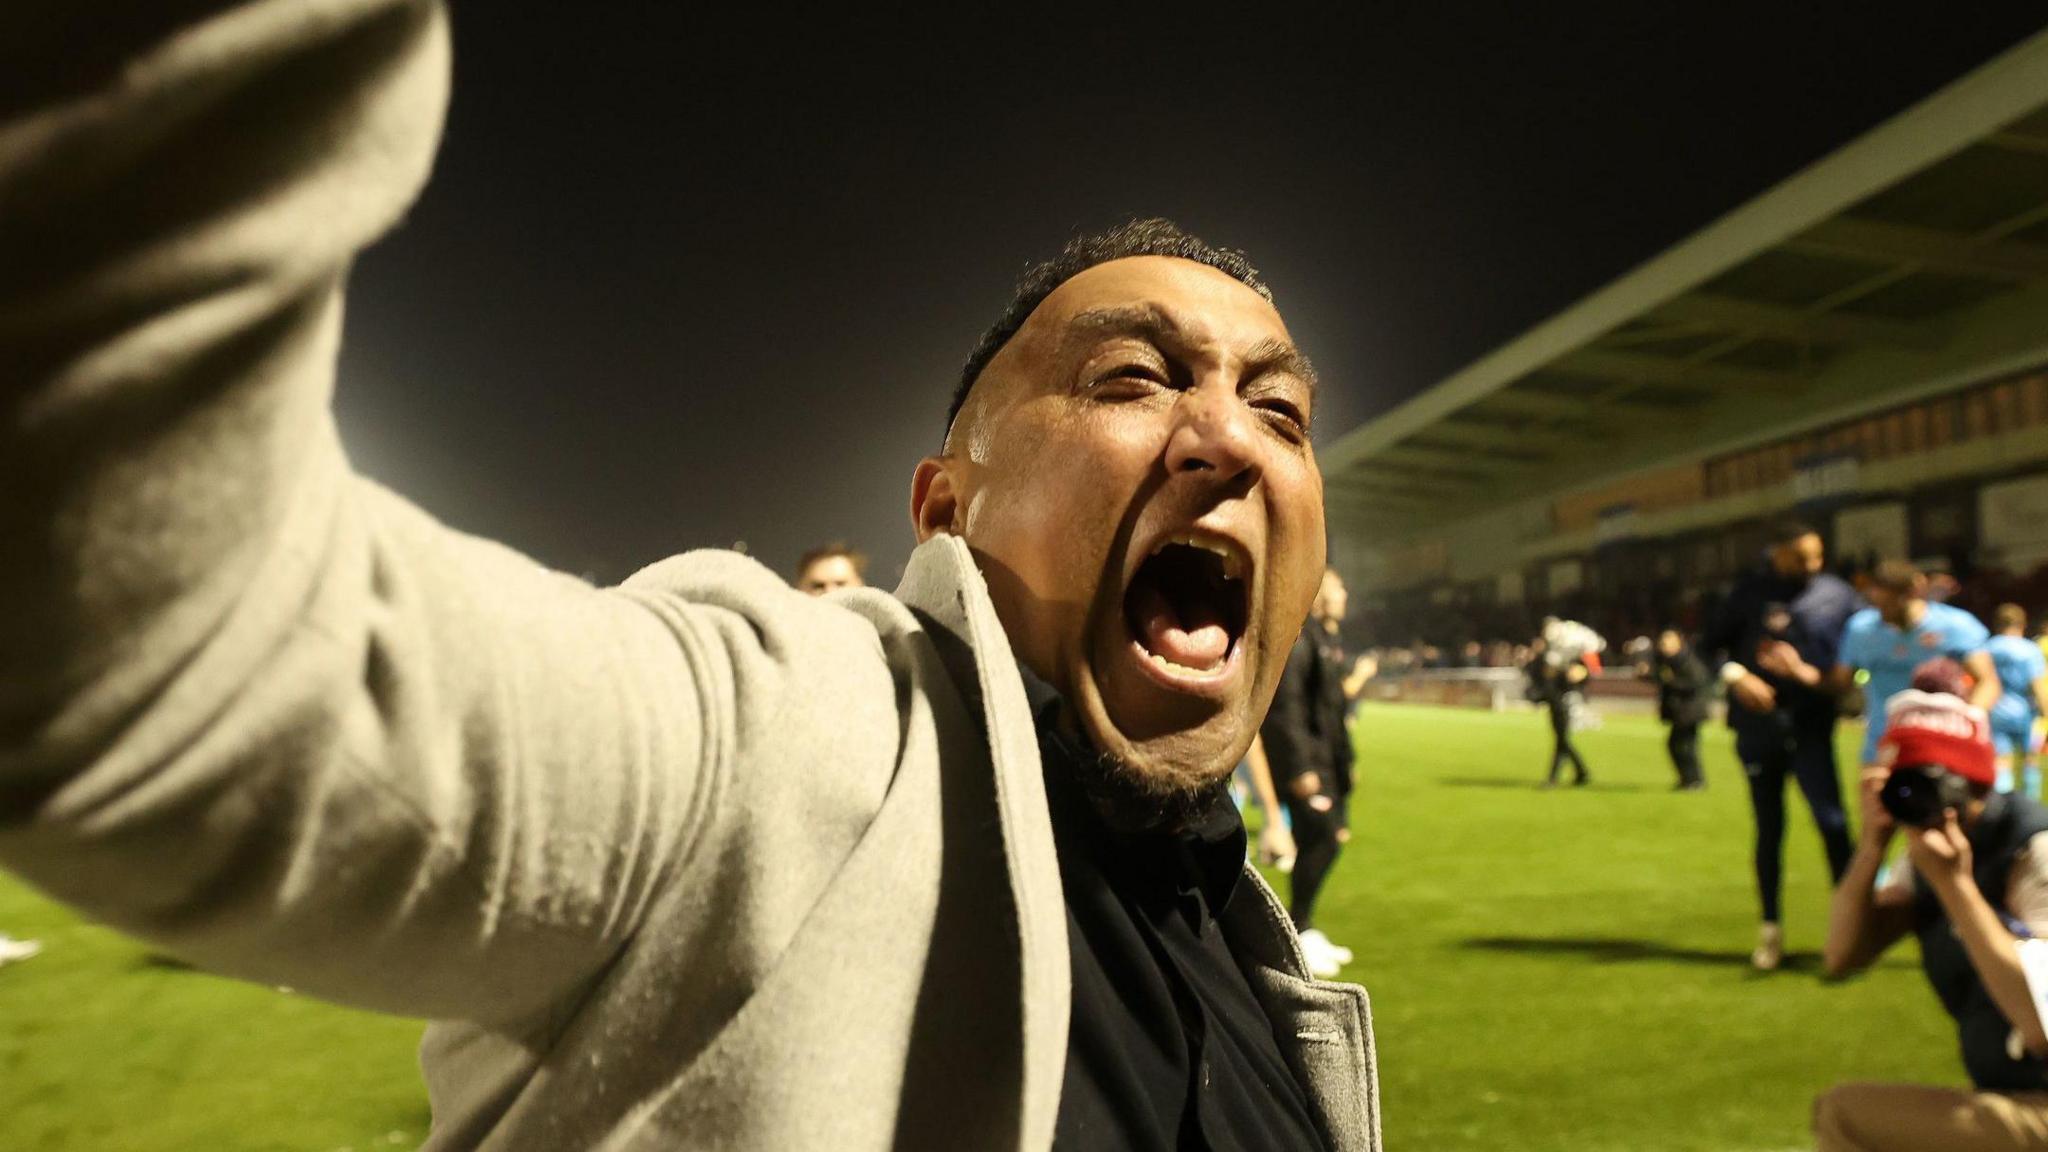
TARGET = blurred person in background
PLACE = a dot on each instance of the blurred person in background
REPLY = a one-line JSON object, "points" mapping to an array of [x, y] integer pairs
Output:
{"points": [[1974, 891], [2023, 697], [1783, 726], [1555, 683], [1683, 690], [1308, 744], [830, 567], [1276, 837], [1567, 642]]}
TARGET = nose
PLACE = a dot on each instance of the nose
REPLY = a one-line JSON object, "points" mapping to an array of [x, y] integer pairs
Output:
{"points": [[1214, 432]]}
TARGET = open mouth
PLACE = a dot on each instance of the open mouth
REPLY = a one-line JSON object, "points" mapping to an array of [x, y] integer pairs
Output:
{"points": [[1186, 607]]}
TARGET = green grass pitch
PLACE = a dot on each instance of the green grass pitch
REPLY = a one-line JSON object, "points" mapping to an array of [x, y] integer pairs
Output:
{"points": [[1549, 970]]}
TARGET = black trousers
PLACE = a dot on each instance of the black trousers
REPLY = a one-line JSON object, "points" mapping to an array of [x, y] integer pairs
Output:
{"points": [[1772, 747], [1563, 749], [1315, 853], [1684, 745]]}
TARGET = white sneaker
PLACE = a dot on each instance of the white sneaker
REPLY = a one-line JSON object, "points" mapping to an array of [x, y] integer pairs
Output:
{"points": [[1770, 948], [1321, 955], [12, 949], [1323, 967]]}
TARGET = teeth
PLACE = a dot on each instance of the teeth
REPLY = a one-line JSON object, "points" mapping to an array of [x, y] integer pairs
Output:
{"points": [[1181, 669], [1233, 564]]}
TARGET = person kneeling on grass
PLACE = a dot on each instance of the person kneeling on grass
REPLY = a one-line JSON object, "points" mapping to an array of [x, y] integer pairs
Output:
{"points": [[1976, 896]]}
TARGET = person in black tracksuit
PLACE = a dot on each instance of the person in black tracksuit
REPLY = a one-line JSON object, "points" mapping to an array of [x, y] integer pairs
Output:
{"points": [[1554, 684], [1309, 749], [1783, 727], [1683, 689]]}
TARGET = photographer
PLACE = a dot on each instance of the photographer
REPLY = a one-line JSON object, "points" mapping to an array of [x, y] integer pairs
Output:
{"points": [[1976, 896], [1683, 689]]}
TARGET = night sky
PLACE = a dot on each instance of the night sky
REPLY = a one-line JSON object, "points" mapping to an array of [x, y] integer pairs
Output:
{"points": [[679, 283]]}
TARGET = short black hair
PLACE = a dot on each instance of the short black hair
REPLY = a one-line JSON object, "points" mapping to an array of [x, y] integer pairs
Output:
{"points": [[1149, 237]]}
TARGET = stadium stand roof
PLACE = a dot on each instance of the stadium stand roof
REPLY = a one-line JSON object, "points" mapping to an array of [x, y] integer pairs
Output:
{"points": [[1912, 261]]}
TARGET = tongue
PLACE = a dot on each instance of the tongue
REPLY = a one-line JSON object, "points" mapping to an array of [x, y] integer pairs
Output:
{"points": [[1197, 640]]}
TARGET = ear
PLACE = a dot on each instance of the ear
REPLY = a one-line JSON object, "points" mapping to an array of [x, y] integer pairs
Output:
{"points": [[934, 498]]}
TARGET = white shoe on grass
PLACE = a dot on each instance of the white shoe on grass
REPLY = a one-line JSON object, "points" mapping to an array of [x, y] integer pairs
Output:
{"points": [[1770, 948], [1322, 956], [12, 950]]}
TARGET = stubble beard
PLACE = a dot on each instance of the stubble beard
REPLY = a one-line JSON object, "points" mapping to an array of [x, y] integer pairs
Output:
{"points": [[1132, 800]]}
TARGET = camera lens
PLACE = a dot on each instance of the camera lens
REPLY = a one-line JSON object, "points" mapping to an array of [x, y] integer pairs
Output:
{"points": [[1912, 796]]}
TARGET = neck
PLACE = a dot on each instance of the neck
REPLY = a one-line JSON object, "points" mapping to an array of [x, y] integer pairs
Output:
{"points": [[1916, 611]]}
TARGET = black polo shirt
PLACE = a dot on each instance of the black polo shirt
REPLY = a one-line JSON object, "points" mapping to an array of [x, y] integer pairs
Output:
{"points": [[1166, 1046]]}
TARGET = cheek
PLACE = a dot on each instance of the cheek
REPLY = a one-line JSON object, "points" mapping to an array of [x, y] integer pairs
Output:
{"points": [[1026, 517], [1295, 513], [1052, 500]]}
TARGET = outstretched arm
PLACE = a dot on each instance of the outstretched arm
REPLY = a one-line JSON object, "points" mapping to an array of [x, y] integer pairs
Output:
{"points": [[1362, 671], [251, 706]]}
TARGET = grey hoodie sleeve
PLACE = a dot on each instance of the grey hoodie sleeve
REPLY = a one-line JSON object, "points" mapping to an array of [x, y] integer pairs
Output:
{"points": [[252, 707]]}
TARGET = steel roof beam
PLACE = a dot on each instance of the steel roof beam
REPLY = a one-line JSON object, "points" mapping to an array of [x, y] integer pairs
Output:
{"points": [[1728, 313], [1946, 251], [1635, 368]]}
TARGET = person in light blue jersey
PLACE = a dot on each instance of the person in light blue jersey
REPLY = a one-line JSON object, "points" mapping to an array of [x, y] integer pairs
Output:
{"points": [[1899, 631], [2023, 696]]}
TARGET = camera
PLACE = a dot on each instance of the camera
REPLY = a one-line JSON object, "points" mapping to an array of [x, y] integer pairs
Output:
{"points": [[1918, 794]]}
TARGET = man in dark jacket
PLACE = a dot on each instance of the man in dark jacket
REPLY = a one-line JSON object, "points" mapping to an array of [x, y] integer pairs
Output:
{"points": [[1556, 681], [1682, 690], [1308, 747], [1783, 726]]}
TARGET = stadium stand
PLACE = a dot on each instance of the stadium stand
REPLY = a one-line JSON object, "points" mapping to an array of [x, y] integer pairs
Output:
{"points": [[1865, 344]]}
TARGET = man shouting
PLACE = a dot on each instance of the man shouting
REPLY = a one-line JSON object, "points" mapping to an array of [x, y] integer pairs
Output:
{"points": [[699, 861]]}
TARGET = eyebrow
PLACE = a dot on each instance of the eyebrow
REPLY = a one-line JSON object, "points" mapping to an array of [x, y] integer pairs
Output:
{"points": [[1277, 357], [1147, 320], [1270, 356]]}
